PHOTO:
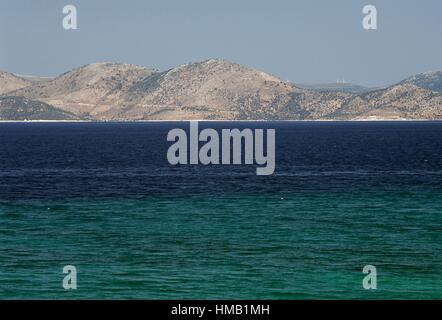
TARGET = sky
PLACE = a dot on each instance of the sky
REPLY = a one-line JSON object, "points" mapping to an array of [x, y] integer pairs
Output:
{"points": [[303, 41]]}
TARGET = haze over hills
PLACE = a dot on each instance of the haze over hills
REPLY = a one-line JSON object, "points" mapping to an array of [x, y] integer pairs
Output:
{"points": [[219, 90], [31, 79], [336, 87]]}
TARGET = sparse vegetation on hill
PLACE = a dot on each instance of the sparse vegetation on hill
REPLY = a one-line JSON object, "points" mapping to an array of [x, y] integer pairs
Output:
{"points": [[217, 89], [22, 109]]}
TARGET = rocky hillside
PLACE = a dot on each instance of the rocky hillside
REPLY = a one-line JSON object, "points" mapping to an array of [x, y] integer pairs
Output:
{"points": [[211, 89], [21, 109], [88, 91], [219, 89], [402, 101], [429, 80], [10, 82]]}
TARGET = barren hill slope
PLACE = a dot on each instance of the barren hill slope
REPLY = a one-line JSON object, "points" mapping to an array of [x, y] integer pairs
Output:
{"points": [[10, 82], [89, 90], [211, 89], [219, 89], [402, 101], [428, 80]]}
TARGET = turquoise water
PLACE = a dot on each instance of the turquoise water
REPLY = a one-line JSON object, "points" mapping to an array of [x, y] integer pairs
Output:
{"points": [[301, 246], [102, 197]]}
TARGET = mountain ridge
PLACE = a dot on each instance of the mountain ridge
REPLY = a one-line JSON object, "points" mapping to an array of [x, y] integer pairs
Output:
{"points": [[217, 89], [431, 80]]}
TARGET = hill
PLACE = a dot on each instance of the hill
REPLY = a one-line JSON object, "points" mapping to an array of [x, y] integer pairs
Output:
{"points": [[218, 89], [429, 80], [89, 90], [10, 82], [21, 109], [402, 101]]}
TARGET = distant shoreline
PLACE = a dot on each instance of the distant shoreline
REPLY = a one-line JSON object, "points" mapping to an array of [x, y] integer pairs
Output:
{"points": [[202, 120]]}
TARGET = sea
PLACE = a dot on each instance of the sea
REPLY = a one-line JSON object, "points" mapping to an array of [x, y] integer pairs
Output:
{"points": [[103, 198]]}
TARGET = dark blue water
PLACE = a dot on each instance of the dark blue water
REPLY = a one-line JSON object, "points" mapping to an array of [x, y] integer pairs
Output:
{"points": [[102, 197]]}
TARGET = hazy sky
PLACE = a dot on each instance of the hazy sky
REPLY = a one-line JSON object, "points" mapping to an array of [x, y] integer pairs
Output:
{"points": [[303, 41]]}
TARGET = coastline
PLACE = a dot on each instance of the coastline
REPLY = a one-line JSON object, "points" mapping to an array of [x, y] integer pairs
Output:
{"points": [[203, 120]]}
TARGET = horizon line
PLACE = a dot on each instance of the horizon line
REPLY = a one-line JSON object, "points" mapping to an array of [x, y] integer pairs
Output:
{"points": [[299, 83]]}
